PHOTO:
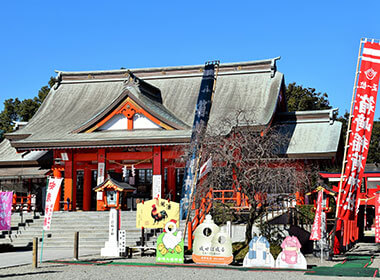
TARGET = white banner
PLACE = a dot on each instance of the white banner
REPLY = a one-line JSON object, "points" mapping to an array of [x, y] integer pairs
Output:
{"points": [[156, 188], [51, 196], [101, 167]]}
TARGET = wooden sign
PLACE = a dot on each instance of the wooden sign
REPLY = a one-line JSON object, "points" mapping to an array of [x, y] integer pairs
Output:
{"points": [[155, 213], [210, 245], [170, 247], [259, 253]]}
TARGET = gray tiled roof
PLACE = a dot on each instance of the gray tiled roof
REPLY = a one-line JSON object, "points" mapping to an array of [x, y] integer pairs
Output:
{"points": [[9, 155], [108, 138], [81, 96], [311, 134]]}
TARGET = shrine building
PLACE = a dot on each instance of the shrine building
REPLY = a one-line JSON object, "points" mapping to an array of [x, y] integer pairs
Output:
{"points": [[100, 121]]}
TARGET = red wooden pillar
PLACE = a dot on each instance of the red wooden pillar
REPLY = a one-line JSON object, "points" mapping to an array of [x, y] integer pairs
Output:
{"points": [[171, 182], [101, 176], [68, 191], [57, 174], [74, 194], [157, 167], [87, 189]]}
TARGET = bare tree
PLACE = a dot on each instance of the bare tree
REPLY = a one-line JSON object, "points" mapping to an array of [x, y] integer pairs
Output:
{"points": [[250, 160]]}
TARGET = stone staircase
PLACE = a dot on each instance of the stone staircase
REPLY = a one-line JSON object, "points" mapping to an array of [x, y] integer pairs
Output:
{"points": [[92, 227]]}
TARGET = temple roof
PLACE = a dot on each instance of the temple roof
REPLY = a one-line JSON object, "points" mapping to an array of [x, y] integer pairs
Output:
{"points": [[114, 181], [24, 165], [311, 134], [169, 93], [10, 157]]}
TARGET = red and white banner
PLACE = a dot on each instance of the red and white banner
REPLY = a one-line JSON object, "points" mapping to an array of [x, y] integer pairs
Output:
{"points": [[377, 219], [361, 128], [205, 168], [51, 196], [316, 230]]}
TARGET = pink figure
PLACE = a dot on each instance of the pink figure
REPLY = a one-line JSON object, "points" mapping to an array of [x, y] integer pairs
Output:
{"points": [[290, 248]]}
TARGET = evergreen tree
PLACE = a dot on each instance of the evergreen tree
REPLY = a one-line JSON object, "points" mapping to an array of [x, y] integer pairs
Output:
{"points": [[299, 98], [16, 110]]}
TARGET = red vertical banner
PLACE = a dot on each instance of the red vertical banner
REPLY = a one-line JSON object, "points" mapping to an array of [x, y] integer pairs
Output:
{"points": [[377, 219], [316, 231], [360, 130]]}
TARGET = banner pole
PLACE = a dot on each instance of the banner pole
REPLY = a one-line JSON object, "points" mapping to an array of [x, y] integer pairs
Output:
{"points": [[198, 160], [362, 40], [42, 245], [348, 128], [192, 195], [43, 230]]}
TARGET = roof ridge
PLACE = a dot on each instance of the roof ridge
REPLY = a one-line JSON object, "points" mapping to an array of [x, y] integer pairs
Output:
{"points": [[270, 62]]}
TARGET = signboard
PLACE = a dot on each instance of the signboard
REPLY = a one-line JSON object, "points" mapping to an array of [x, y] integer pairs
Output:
{"points": [[5, 210], [210, 245], [99, 195], [291, 256], [51, 196], [259, 253], [155, 213], [377, 218], [361, 128], [101, 167], [156, 186], [170, 247]]}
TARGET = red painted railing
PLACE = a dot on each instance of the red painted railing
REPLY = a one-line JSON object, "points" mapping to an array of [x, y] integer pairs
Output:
{"points": [[239, 199], [199, 216], [22, 202]]}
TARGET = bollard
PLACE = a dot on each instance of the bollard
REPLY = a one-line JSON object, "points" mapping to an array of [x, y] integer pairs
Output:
{"points": [[35, 252], [142, 241], [76, 245]]}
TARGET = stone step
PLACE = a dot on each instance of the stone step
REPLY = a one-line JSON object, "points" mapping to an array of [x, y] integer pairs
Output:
{"points": [[92, 227]]}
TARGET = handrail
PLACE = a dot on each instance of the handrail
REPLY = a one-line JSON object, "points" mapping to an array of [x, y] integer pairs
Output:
{"points": [[199, 216]]}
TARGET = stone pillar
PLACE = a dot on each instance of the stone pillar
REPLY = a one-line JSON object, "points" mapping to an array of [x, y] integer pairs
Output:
{"points": [[111, 248]]}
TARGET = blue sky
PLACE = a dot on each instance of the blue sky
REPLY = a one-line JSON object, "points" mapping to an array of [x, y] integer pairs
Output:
{"points": [[318, 41]]}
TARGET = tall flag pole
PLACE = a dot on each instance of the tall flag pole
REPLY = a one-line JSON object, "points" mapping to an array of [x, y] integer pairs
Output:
{"points": [[202, 114], [360, 129]]}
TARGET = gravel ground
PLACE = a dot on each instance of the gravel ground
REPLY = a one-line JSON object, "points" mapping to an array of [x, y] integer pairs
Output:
{"points": [[63, 271]]}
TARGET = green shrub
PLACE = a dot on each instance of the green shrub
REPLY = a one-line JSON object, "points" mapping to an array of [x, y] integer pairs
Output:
{"points": [[222, 213]]}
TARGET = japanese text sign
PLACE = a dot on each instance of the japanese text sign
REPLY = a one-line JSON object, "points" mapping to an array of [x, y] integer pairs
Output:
{"points": [[377, 218], [51, 195], [5, 210], [361, 128]]}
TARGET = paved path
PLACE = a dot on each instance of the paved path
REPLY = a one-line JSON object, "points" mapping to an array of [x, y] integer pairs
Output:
{"points": [[17, 265], [25, 257]]}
